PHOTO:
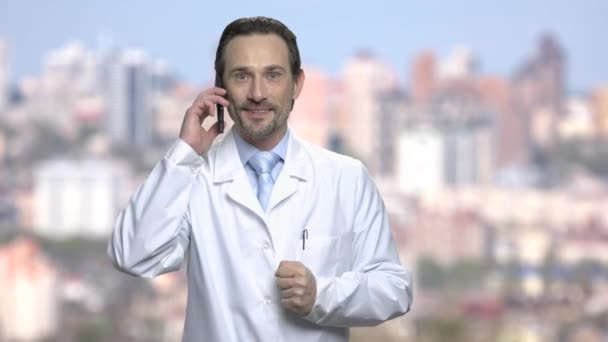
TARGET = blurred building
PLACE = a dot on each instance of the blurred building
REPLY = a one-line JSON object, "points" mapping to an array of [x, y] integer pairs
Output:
{"points": [[558, 209], [170, 108], [424, 78], [447, 236], [393, 107], [159, 314], [584, 242], [365, 78], [4, 74], [433, 158], [128, 89], [512, 148], [79, 198], [68, 74], [460, 64], [3, 150], [578, 121], [539, 88], [24, 203], [469, 154], [29, 308], [420, 160], [599, 103], [310, 118]]}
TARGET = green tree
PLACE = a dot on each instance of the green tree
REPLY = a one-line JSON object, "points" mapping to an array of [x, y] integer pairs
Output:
{"points": [[431, 275]]}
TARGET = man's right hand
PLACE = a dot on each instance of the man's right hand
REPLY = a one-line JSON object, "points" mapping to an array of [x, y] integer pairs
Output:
{"points": [[192, 131]]}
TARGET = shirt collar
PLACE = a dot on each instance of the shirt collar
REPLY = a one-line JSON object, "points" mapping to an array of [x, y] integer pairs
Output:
{"points": [[246, 150]]}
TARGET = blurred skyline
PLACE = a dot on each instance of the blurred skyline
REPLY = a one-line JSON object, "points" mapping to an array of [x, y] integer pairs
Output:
{"points": [[185, 33], [491, 157]]}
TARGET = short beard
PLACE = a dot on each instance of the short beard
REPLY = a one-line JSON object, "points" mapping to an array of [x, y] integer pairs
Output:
{"points": [[259, 133]]}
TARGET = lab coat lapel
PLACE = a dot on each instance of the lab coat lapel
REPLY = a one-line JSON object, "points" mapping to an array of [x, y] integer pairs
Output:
{"points": [[295, 170], [228, 168]]}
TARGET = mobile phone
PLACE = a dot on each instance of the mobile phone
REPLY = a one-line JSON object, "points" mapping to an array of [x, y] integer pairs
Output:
{"points": [[219, 108]]}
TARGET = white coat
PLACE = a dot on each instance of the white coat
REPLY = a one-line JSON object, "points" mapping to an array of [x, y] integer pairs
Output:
{"points": [[204, 209]]}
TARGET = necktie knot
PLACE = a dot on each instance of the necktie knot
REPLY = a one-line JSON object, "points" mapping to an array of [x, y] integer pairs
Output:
{"points": [[263, 161]]}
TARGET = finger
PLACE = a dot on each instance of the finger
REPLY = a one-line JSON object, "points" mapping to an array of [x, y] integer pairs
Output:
{"points": [[200, 108], [214, 130], [217, 97], [285, 283], [214, 90], [294, 303], [205, 106], [292, 292], [290, 269]]}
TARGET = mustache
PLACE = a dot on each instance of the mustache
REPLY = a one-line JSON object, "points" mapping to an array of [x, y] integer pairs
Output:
{"points": [[252, 105]]}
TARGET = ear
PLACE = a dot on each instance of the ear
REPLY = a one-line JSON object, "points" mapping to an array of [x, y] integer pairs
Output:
{"points": [[298, 84]]}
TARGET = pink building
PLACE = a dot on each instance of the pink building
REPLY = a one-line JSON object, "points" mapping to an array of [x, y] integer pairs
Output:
{"points": [[310, 119], [28, 293]]}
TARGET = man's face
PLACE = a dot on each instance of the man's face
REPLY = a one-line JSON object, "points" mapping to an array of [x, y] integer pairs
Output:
{"points": [[260, 86]]}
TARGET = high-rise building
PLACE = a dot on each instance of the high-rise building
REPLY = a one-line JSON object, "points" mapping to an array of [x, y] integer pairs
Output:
{"points": [[29, 305], [539, 91], [512, 146], [310, 117], [424, 78], [4, 71], [78, 198], [469, 154], [128, 88], [436, 156], [365, 78], [599, 103], [392, 113], [550, 73]]}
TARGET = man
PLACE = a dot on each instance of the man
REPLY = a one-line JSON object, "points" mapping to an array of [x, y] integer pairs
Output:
{"points": [[285, 241]]}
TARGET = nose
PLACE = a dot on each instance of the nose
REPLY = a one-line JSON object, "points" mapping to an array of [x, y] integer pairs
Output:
{"points": [[257, 90]]}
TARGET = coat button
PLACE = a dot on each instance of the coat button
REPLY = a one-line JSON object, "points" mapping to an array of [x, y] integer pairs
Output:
{"points": [[266, 245]]}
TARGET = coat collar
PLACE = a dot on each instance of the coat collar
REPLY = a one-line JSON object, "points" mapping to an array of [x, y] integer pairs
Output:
{"points": [[227, 164]]}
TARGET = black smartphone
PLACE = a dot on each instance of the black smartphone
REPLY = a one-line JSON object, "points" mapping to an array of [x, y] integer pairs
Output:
{"points": [[219, 108]]}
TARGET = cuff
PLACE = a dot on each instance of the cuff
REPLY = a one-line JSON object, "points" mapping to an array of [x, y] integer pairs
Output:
{"points": [[182, 154], [319, 311]]}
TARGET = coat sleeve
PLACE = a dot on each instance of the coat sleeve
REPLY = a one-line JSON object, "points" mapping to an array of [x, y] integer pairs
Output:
{"points": [[378, 287], [152, 234]]}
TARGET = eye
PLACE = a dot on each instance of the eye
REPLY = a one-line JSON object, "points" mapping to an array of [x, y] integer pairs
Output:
{"points": [[240, 77], [273, 75]]}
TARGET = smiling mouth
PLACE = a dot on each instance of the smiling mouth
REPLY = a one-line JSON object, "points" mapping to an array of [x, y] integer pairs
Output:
{"points": [[258, 112]]}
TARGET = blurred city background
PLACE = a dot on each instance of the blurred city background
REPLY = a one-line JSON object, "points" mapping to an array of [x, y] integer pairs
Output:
{"points": [[484, 126]]}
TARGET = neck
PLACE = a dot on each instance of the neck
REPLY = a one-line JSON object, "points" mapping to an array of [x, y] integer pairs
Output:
{"points": [[264, 143]]}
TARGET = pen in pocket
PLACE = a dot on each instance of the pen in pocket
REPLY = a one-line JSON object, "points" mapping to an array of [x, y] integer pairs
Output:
{"points": [[304, 238]]}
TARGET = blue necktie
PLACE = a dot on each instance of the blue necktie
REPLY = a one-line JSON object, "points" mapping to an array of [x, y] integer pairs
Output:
{"points": [[263, 162]]}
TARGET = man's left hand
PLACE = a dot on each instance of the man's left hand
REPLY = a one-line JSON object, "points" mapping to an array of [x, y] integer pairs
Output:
{"points": [[298, 287]]}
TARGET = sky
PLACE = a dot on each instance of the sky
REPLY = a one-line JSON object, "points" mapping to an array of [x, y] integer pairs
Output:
{"points": [[185, 33]]}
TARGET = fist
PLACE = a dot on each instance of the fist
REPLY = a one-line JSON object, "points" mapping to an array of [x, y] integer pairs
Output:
{"points": [[298, 287]]}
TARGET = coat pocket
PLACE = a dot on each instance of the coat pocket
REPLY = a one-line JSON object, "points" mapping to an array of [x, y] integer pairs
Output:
{"points": [[326, 255]]}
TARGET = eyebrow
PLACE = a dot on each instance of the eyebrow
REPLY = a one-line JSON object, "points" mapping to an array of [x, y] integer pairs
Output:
{"points": [[267, 68]]}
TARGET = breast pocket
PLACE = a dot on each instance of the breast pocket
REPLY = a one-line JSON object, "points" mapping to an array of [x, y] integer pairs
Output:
{"points": [[326, 255]]}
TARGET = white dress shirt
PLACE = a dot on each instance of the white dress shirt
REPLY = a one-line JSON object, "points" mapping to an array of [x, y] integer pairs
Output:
{"points": [[205, 208]]}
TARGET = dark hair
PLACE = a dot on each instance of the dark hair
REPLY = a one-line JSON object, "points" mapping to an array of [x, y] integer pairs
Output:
{"points": [[263, 25]]}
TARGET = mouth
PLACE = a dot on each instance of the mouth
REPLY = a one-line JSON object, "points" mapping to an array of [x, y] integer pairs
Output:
{"points": [[257, 112]]}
